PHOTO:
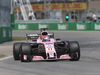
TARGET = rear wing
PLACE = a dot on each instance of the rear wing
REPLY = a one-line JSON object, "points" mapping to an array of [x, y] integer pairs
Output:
{"points": [[32, 36]]}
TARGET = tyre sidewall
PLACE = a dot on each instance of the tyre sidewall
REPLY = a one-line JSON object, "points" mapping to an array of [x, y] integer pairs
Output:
{"points": [[74, 49]]}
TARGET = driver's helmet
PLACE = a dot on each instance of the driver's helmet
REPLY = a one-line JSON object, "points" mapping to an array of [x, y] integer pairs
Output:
{"points": [[46, 39]]}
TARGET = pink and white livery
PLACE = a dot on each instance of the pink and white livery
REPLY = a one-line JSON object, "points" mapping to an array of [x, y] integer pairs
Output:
{"points": [[45, 47]]}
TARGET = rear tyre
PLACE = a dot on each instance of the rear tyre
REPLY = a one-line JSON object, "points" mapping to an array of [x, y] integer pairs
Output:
{"points": [[74, 51], [16, 47], [25, 50]]}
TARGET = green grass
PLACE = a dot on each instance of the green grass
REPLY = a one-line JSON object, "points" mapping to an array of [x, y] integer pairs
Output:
{"points": [[2, 55], [18, 38]]}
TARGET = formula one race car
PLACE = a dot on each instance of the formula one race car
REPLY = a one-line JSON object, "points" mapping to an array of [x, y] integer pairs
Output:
{"points": [[44, 47]]}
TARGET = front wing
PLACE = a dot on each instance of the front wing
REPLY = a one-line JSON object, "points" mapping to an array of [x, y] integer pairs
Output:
{"points": [[62, 57]]}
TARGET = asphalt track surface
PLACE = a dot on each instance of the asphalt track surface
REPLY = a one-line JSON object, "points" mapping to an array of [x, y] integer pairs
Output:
{"points": [[89, 63]]}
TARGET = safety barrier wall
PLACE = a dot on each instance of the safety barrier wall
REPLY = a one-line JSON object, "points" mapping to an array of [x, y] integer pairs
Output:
{"points": [[12, 18], [5, 21], [95, 26], [5, 34], [78, 26]]}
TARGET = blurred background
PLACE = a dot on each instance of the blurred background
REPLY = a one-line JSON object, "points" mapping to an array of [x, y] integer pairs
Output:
{"points": [[58, 10], [77, 15]]}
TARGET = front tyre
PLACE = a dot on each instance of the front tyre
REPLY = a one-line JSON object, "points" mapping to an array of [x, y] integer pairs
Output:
{"points": [[74, 51], [16, 47], [25, 51]]}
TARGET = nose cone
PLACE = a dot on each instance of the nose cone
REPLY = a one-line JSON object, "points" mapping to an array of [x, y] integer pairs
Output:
{"points": [[51, 55]]}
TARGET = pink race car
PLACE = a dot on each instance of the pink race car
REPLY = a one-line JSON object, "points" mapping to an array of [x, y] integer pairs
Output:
{"points": [[45, 47]]}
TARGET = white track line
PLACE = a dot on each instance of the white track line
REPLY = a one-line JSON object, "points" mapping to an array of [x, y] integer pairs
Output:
{"points": [[6, 58]]}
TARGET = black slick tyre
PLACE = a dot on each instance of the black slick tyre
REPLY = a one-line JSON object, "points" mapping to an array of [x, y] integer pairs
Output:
{"points": [[74, 51], [25, 50], [16, 47]]}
